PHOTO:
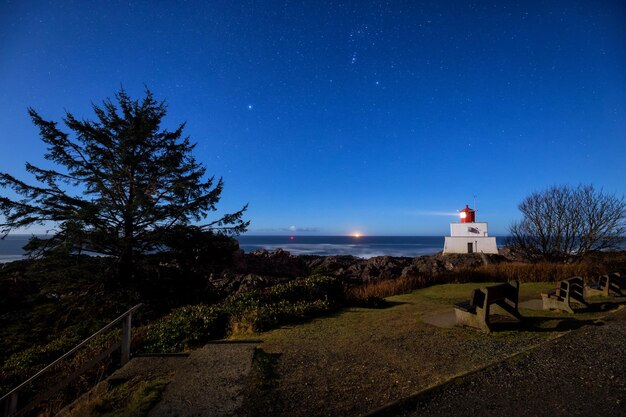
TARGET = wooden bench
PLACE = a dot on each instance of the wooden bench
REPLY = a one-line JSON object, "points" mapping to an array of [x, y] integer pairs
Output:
{"points": [[567, 295], [475, 312], [606, 285]]}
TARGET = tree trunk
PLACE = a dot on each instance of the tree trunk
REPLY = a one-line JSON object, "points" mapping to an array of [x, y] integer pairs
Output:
{"points": [[126, 269]]}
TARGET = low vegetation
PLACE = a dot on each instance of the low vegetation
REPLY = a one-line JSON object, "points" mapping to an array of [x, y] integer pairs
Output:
{"points": [[50, 305], [500, 272], [132, 398], [253, 311], [360, 359]]}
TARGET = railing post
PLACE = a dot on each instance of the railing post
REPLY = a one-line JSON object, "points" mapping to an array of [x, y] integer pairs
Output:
{"points": [[11, 405], [126, 323]]}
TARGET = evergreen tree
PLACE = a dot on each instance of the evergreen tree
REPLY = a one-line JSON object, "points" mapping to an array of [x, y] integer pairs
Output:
{"points": [[122, 185]]}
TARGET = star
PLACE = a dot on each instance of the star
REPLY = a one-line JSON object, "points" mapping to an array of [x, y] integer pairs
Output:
{"points": [[249, 106]]}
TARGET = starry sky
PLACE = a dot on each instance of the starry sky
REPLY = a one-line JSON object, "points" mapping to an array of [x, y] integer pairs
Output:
{"points": [[330, 117]]}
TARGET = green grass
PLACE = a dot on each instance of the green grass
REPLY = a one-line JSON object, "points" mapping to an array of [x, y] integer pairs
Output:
{"points": [[261, 399], [380, 355], [132, 398]]}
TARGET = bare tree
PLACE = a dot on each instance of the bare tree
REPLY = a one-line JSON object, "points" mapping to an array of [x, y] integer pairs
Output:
{"points": [[563, 222]]}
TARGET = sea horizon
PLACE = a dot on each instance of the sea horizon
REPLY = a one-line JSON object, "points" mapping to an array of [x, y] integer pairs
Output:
{"points": [[320, 245]]}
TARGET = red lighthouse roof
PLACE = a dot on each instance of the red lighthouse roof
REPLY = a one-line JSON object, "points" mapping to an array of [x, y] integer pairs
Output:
{"points": [[467, 215]]}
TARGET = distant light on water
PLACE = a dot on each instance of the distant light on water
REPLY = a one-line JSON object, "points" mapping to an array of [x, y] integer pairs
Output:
{"points": [[363, 246]]}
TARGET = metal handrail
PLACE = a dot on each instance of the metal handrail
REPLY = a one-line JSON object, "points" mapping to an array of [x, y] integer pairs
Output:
{"points": [[125, 346]]}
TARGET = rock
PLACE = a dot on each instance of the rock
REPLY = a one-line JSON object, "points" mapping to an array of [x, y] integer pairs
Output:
{"points": [[262, 268], [278, 263], [384, 267]]}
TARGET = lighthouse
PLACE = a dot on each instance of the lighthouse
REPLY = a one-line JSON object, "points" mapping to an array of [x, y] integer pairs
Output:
{"points": [[469, 236]]}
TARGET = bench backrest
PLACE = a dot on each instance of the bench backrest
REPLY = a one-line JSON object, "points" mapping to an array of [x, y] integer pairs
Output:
{"points": [[615, 282], [477, 298], [495, 293], [616, 277], [508, 290], [573, 287]]}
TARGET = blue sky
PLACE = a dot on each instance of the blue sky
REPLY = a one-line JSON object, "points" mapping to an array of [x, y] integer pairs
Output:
{"points": [[332, 117]]}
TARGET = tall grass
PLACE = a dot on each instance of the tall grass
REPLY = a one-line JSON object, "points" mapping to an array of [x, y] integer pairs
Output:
{"points": [[385, 288], [523, 272], [540, 271]]}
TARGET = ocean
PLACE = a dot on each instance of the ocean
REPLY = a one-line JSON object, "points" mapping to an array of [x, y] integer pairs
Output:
{"points": [[363, 247], [11, 247]]}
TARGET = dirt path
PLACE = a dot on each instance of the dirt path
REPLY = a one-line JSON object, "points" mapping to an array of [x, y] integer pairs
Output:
{"points": [[580, 374], [208, 382]]}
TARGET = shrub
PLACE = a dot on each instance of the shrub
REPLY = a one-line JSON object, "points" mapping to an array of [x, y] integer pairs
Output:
{"points": [[312, 288], [22, 365], [254, 310], [26, 363], [268, 316], [284, 303], [185, 327]]}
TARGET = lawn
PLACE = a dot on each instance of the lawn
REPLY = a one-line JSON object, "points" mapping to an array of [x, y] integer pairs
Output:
{"points": [[360, 359]]}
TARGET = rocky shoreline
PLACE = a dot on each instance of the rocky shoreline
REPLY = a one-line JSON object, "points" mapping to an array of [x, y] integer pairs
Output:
{"points": [[262, 268]]}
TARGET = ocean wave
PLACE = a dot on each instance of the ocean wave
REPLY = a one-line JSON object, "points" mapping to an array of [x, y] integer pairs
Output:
{"points": [[360, 251], [10, 258]]}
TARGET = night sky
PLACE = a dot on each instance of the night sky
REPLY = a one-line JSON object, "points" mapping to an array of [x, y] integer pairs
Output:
{"points": [[336, 117]]}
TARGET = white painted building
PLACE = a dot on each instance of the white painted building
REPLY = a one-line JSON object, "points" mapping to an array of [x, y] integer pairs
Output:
{"points": [[469, 236]]}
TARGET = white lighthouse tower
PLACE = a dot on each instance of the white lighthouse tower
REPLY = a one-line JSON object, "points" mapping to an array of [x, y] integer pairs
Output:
{"points": [[469, 236]]}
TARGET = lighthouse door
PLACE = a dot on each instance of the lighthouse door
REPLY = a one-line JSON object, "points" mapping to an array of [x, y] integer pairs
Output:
{"points": [[470, 247]]}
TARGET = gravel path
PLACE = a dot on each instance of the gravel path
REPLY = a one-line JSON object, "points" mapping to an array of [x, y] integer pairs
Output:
{"points": [[580, 374], [208, 383]]}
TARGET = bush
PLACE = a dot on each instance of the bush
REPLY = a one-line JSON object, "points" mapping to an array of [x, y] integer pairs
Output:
{"points": [[185, 327], [268, 316], [312, 288], [284, 303], [24, 364], [250, 311]]}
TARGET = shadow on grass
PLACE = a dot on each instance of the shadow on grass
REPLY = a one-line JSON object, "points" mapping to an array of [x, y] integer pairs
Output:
{"points": [[542, 324], [604, 305], [556, 324], [377, 304], [260, 396]]}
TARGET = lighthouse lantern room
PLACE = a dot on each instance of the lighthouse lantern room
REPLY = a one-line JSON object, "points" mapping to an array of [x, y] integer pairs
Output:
{"points": [[467, 215], [468, 235]]}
